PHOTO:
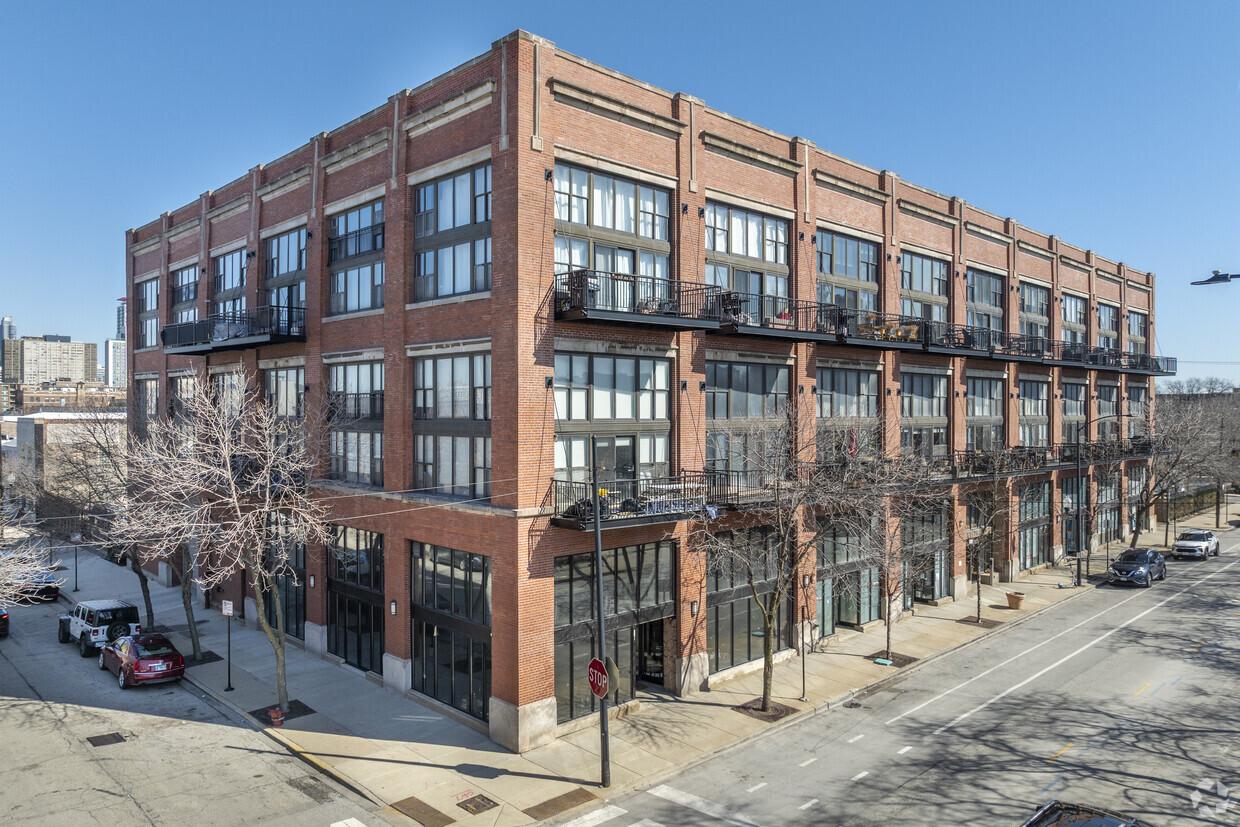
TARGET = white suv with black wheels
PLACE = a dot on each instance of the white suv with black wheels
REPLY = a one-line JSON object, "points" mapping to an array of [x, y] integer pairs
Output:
{"points": [[1195, 542], [94, 623]]}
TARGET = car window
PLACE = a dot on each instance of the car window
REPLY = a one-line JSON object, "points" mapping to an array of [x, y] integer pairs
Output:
{"points": [[153, 650], [1130, 557]]}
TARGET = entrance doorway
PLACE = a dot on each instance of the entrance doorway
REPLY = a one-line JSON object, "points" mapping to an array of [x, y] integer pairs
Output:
{"points": [[648, 652]]}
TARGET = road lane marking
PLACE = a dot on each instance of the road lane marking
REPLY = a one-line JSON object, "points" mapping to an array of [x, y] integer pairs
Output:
{"points": [[906, 749], [856, 738], [756, 787], [1048, 786], [1061, 752], [645, 822], [1157, 689], [1048, 640], [1071, 655], [859, 776], [808, 804], [1142, 689], [807, 763], [597, 817], [700, 804], [1199, 645], [1177, 680]]}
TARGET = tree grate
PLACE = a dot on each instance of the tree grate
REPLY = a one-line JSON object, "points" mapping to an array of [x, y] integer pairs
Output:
{"points": [[105, 740]]}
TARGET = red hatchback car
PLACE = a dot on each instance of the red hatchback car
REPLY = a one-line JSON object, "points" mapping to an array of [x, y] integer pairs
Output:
{"points": [[149, 658]]}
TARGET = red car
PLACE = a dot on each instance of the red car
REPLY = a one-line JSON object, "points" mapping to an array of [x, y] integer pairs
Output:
{"points": [[149, 658]]}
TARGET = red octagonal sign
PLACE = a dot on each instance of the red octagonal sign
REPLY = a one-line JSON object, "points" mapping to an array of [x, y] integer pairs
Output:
{"points": [[596, 673]]}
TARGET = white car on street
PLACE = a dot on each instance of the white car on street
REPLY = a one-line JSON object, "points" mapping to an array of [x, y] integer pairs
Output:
{"points": [[1195, 542]]}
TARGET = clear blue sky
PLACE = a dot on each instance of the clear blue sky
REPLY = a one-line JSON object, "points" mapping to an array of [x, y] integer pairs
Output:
{"points": [[1114, 125]]}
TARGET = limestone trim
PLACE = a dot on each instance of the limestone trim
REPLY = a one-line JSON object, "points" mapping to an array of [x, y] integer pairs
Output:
{"points": [[230, 208], [942, 255], [988, 234], [605, 106], [154, 274], [934, 370], [372, 354], [373, 144], [844, 229], [227, 247], [283, 227], [994, 270], [1026, 247], [836, 182], [646, 176], [731, 200], [188, 229], [285, 184], [1075, 264], [608, 347], [1034, 280], [231, 367], [715, 355], [472, 99], [927, 213], [179, 372], [849, 364], [421, 350], [357, 314], [446, 300], [282, 362], [750, 155], [363, 197], [145, 246], [462, 161]]}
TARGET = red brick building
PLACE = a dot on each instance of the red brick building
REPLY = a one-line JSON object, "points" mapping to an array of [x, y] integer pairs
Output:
{"points": [[532, 249]]}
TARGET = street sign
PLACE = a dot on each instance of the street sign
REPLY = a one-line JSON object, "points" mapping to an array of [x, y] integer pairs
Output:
{"points": [[596, 673], [226, 607]]}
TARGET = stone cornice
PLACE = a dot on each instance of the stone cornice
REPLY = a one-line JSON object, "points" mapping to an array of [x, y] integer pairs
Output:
{"points": [[228, 209], [750, 155], [987, 233], [913, 208], [617, 110], [285, 184], [371, 145], [471, 100], [848, 187]]}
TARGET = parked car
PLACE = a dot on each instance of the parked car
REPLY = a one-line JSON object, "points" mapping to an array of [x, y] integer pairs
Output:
{"points": [[1138, 565], [42, 586], [96, 622], [4, 622], [135, 659], [1195, 542], [1063, 814]]}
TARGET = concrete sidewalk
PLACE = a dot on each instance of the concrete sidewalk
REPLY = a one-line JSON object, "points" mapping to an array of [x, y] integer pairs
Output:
{"points": [[420, 766]]}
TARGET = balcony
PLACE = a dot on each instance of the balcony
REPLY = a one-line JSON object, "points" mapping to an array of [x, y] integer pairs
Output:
{"points": [[357, 243], [637, 501], [597, 296], [346, 408], [236, 331]]}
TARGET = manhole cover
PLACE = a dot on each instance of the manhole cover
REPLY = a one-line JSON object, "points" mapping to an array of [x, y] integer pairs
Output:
{"points": [[477, 804], [104, 740], [852, 705]]}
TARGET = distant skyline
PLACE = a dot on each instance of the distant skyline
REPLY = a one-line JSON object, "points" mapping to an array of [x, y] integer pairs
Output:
{"points": [[1109, 124]]}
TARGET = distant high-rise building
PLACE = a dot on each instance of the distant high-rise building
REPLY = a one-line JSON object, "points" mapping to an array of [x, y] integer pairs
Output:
{"points": [[120, 319], [34, 359], [8, 330], [114, 363]]}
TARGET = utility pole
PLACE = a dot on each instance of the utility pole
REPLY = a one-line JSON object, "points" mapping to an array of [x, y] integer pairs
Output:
{"points": [[1079, 499], [604, 738]]}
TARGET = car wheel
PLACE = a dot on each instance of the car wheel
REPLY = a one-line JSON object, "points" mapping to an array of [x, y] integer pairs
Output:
{"points": [[120, 678], [62, 633], [84, 646], [102, 665], [1149, 580]]}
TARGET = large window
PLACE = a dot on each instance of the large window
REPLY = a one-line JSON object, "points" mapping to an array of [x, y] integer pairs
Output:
{"points": [[747, 252], [1075, 313], [1108, 326], [357, 288], [847, 407], [146, 399], [452, 387], [355, 606], [147, 296], [733, 620], [984, 414], [1137, 411], [355, 407], [595, 388], [355, 232], [923, 411], [356, 557], [289, 588], [985, 300], [842, 263], [229, 298], [740, 233], [923, 277], [451, 592], [1108, 412], [286, 266], [639, 587], [1035, 302], [739, 391], [452, 235], [1034, 531], [184, 285], [1074, 410], [1138, 328], [1034, 406], [285, 389]]}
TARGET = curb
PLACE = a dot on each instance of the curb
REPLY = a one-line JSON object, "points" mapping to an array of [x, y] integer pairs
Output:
{"points": [[826, 706]]}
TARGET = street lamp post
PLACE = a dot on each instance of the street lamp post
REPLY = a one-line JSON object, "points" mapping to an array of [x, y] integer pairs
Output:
{"points": [[604, 739], [804, 601], [1079, 500]]}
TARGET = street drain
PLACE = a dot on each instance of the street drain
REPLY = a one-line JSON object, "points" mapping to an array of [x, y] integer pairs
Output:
{"points": [[478, 804], [105, 740]]}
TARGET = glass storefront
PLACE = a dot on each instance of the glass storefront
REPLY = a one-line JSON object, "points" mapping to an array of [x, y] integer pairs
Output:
{"points": [[355, 607]]}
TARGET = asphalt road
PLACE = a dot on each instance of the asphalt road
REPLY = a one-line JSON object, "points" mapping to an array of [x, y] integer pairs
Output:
{"points": [[182, 761], [1121, 697]]}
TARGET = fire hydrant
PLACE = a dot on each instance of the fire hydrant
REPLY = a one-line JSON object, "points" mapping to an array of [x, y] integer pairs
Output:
{"points": [[277, 717]]}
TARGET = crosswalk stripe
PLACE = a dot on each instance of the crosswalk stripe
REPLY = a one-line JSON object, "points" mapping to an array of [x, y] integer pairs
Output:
{"points": [[645, 822], [348, 822], [700, 804], [597, 817]]}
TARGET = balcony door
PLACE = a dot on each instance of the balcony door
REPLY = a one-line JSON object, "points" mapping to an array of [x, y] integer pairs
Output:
{"points": [[616, 458]]}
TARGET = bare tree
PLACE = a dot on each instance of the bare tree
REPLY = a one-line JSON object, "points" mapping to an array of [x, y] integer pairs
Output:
{"points": [[22, 561], [989, 508], [223, 487]]}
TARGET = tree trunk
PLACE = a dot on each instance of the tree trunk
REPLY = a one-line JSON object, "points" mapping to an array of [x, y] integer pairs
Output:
{"points": [[276, 638], [768, 659], [187, 600], [890, 598], [979, 586], [136, 567]]}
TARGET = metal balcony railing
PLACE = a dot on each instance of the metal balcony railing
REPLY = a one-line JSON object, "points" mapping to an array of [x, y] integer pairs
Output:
{"points": [[582, 294], [646, 500], [355, 407], [366, 240], [289, 322]]}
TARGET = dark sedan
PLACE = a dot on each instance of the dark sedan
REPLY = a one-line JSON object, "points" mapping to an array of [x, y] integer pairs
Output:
{"points": [[1063, 814], [4, 622], [42, 586], [1141, 566], [135, 659]]}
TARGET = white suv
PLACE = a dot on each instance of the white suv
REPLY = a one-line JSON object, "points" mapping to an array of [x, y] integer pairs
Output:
{"points": [[97, 622], [1195, 542]]}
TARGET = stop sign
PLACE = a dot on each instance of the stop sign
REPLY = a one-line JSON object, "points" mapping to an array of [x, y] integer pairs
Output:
{"points": [[596, 673]]}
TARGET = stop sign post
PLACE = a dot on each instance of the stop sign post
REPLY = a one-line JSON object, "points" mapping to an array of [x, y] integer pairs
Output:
{"points": [[596, 674]]}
